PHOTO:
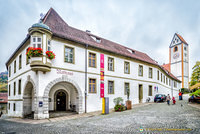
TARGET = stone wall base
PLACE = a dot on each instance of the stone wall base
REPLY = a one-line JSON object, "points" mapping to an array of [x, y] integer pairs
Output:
{"points": [[41, 116]]}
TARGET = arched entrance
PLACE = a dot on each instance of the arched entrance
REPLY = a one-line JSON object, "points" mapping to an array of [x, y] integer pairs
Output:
{"points": [[28, 101], [61, 100], [70, 88]]}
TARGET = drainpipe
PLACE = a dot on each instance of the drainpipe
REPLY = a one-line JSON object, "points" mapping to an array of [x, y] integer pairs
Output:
{"points": [[86, 47], [172, 85]]}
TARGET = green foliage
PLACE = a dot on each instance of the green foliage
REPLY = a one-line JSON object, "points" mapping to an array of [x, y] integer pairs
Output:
{"points": [[119, 107], [195, 74], [196, 93], [118, 100], [185, 90], [3, 81]]}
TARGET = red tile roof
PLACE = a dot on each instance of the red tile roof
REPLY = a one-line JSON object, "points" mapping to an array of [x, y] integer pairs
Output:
{"points": [[181, 38], [167, 67], [61, 29], [3, 97]]}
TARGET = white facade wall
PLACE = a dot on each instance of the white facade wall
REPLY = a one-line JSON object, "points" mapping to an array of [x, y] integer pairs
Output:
{"points": [[77, 74]]}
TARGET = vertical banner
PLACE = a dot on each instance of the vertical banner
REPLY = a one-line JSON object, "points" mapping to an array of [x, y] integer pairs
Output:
{"points": [[101, 75]]}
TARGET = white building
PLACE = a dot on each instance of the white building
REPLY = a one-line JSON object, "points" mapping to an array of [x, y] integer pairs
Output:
{"points": [[39, 85]]}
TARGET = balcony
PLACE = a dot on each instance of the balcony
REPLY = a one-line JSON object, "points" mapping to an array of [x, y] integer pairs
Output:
{"points": [[41, 63]]}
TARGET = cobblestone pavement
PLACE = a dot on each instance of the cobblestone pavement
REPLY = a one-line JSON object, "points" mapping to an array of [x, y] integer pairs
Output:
{"points": [[154, 118]]}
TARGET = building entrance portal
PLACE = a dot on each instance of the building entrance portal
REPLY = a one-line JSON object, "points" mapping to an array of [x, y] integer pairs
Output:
{"points": [[140, 93], [61, 101]]}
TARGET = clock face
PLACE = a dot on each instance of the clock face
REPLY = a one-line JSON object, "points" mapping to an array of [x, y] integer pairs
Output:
{"points": [[176, 55]]}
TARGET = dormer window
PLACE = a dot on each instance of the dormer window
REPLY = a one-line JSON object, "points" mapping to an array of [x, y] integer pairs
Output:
{"points": [[98, 40], [131, 51], [37, 42]]}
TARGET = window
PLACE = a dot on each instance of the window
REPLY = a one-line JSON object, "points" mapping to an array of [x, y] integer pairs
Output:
{"points": [[49, 45], [158, 75], [166, 81], [169, 82], [14, 88], [9, 90], [69, 54], [150, 90], [110, 87], [9, 71], [175, 48], [37, 42], [140, 70], [126, 67], [175, 84], [20, 61], [185, 54], [110, 64], [161, 77], [92, 60], [126, 88], [13, 106], [19, 87], [9, 106], [15, 66], [185, 48], [27, 58], [92, 85], [150, 72]]}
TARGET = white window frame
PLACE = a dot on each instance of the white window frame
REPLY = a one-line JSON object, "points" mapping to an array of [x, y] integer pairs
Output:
{"points": [[110, 64], [36, 42]]}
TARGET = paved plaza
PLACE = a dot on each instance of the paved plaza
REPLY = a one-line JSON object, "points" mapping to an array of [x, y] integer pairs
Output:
{"points": [[152, 118]]}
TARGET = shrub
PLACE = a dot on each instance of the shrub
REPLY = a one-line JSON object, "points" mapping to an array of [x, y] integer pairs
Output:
{"points": [[119, 107], [50, 54], [34, 52], [196, 93], [118, 100]]}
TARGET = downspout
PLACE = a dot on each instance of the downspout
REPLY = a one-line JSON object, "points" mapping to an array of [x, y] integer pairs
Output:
{"points": [[86, 47]]}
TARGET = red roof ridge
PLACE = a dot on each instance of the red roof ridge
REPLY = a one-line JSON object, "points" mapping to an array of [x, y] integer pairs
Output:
{"points": [[51, 10], [181, 38]]}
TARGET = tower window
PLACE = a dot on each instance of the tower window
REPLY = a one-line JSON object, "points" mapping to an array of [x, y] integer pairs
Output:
{"points": [[185, 48], [175, 49]]}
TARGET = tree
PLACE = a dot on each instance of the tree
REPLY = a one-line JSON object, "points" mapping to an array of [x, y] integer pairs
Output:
{"points": [[195, 74]]}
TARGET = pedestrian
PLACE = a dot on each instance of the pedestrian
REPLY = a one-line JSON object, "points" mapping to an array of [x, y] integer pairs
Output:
{"points": [[191, 99], [168, 99], [180, 95], [174, 101], [1, 114]]}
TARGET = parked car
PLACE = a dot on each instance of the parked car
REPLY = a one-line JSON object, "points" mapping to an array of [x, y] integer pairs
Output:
{"points": [[160, 98], [195, 99]]}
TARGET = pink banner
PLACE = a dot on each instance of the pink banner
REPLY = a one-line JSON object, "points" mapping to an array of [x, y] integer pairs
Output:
{"points": [[101, 75]]}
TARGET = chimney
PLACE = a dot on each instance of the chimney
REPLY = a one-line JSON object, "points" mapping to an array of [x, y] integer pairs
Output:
{"points": [[88, 31]]}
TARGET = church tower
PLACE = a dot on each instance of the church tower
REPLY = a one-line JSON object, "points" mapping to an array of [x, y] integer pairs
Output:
{"points": [[179, 59]]}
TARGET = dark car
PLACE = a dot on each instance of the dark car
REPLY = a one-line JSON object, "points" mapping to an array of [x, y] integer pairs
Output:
{"points": [[160, 98], [194, 99]]}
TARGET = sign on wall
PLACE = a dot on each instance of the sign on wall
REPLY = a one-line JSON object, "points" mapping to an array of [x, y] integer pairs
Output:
{"points": [[101, 75]]}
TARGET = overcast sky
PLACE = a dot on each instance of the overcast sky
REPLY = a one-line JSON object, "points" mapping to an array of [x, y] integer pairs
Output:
{"points": [[145, 25]]}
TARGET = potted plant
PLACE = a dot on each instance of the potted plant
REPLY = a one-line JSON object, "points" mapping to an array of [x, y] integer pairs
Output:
{"points": [[118, 104], [128, 102], [35, 53], [50, 55]]}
